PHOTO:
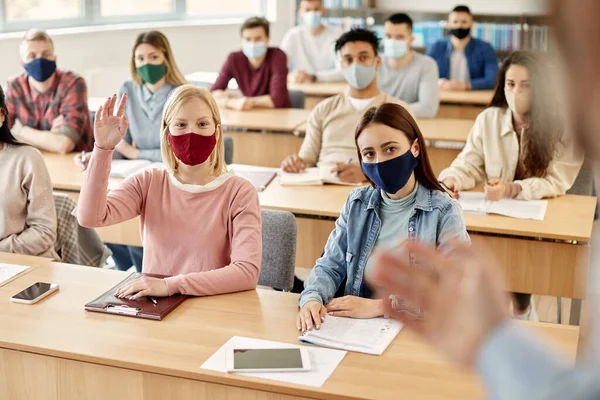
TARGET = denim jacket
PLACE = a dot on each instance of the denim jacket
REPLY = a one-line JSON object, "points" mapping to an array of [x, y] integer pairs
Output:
{"points": [[435, 220], [481, 59]]}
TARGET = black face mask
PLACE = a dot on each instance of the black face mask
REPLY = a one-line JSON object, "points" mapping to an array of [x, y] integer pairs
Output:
{"points": [[460, 33]]}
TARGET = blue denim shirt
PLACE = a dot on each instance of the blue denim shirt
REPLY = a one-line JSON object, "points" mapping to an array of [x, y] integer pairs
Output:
{"points": [[435, 220], [481, 58]]}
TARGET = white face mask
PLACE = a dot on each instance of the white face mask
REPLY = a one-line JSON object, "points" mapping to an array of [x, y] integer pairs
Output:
{"points": [[518, 102]]}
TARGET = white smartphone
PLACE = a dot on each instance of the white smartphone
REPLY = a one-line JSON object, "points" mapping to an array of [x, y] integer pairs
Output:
{"points": [[34, 293], [268, 360]]}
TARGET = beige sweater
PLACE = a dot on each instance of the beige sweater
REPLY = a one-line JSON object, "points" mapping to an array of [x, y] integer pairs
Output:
{"points": [[492, 151], [27, 212], [331, 126]]}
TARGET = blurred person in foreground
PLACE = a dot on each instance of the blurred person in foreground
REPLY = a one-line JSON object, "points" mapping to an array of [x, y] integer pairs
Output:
{"points": [[462, 296]]}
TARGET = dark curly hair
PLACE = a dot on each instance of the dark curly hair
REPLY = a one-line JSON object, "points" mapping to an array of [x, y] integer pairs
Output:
{"points": [[5, 135], [546, 125]]}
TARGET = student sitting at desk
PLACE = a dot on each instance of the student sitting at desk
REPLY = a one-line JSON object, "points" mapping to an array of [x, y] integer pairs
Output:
{"points": [[309, 47], [404, 202], [200, 224], [329, 138], [27, 212], [47, 106], [260, 71], [406, 74], [465, 63], [517, 146], [154, 75]]}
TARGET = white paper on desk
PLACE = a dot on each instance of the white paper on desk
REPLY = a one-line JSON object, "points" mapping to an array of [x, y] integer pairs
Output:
{"points": [[309, 177], [370, 336], [124, 168], [323, 361], [8, 271], [475, 202], [522, 209], [260, 177]]}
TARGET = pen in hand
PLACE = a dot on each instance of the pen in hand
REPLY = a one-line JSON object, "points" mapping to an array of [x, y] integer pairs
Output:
{"points": [[83, 158], [153, 300], [347, 162]]}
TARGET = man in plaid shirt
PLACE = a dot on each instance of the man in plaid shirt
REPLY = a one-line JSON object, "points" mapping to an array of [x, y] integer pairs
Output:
{"points": [[47, 106]]}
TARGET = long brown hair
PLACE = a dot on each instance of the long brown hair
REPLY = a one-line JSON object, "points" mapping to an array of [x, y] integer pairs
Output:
{"points": [[160, 41], [546, 125], [395, 116]]}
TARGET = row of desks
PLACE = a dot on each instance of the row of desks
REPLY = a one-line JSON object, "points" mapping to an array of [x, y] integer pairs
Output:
{"points": [[547, 257], [56, 350]]}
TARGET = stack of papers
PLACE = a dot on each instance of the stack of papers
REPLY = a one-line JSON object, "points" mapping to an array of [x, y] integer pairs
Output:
{"points": [[323, 361], [260, 177], [370, 336], [9, 271], [312, 177], [125, 168], [475, 202]]}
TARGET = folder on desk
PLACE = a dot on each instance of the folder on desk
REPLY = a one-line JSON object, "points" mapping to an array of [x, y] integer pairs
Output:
{"points": [[141, 308]]}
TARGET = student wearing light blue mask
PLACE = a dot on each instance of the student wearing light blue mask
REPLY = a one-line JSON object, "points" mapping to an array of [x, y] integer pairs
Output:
{"points": [[260, 71], [406, 74], [329, 140], [309, 46], [405, 202]]}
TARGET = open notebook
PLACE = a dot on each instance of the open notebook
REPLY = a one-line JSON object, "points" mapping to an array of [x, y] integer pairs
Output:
{"points": [[370, 336], [313, 176], [124, 168], [475, 202], [260, 177]]}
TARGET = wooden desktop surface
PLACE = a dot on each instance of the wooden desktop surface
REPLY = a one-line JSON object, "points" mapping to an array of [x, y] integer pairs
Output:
{"points": [[469, 97], [280, 119], [71, 352], [568, 217]]}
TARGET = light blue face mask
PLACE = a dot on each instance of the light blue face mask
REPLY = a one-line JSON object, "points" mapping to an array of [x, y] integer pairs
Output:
{"points": [[254, 49], [312, 19], [359, 76], [393, 48]]}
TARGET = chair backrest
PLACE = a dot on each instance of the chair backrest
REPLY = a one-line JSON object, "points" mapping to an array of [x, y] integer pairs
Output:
{"points": [[228, 145], [279, 232], [584, 183], [297, 98]]}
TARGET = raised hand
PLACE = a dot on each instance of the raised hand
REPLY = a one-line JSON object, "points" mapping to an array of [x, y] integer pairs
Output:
{"points": [[109, 128]]}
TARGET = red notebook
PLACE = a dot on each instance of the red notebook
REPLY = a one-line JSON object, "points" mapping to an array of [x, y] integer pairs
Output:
{"points": [[140, 308]]}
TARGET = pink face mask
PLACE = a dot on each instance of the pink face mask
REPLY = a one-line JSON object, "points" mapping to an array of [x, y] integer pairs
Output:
{"points": [[192, 149]]}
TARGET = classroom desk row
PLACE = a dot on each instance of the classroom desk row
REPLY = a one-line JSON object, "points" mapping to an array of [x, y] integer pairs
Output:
{"points": [[55, 350], [548, 257], [266, 137], [453, 104]]}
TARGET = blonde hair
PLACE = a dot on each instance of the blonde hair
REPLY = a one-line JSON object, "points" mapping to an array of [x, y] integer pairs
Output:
{"points": [[36, 35], [178, 98], [160, 41]]}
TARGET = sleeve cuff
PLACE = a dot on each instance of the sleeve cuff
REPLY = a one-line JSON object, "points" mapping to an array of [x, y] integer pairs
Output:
{"points": [[526, 193], [310, 296], [174, 284]]}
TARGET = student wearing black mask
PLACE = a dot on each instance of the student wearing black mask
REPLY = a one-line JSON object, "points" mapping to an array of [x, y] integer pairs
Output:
{"points": [[464, 63]]}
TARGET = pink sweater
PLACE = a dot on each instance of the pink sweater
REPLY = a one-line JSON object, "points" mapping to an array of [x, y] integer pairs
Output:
{"points": [[207, 238]]}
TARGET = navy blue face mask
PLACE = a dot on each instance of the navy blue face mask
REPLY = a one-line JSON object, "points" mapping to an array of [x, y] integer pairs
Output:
{"points": [[40, 69], [391, 175]]}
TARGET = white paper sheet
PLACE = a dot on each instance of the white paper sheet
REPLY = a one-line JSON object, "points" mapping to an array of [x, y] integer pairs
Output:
{"points": [[475, 202], [331, 177], [8, 271], [310, 177], [124, 168], [370, 336], [323, 361]]}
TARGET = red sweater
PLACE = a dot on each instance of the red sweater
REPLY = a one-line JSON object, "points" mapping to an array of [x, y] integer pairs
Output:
{"points": [[270, 78]]}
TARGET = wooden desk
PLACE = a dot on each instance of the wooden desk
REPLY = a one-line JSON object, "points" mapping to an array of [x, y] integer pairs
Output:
{"points": [[56, 350], [317, 92], [268, 137], [20, 259], [463, 104], [535, 255]]}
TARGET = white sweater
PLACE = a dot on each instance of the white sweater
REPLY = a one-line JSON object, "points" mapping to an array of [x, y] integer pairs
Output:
{"points": [[492, 151]]}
